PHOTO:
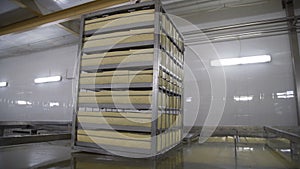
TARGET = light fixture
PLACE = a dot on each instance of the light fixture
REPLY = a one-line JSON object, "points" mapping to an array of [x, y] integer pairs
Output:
{"points": [[3, 84], [285, 95], [243, 98], [23, 102], [241, 60], [53, 104], [47, 79]]}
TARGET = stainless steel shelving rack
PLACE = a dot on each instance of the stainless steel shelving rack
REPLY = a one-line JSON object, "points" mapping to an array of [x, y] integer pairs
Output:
{"points": [[112, 114]]}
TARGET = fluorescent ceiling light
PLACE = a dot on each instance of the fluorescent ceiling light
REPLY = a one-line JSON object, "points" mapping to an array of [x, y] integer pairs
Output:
{"points": [[47, 79], [241, 60], [52, 104], [285, 95], [22, 102], [3, 84], [243, 98]]}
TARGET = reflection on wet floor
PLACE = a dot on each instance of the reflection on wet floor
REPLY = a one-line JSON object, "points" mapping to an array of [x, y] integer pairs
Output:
{"points": [[217, 153], [221, 155], [172, 161], [212, 155]]}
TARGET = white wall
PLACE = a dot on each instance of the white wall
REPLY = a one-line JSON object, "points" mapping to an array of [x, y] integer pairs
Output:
{"points": [[257, 80], [262, 81], [20, 73]]}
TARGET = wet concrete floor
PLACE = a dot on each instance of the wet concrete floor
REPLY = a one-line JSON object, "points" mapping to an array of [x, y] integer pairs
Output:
{"points": [[217, 153]]}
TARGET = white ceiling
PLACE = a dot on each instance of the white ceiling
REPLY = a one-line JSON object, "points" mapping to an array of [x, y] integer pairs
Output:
{"points": [[49, 6], [6, 6], [38, 39], [35, 40], [196, 11]]}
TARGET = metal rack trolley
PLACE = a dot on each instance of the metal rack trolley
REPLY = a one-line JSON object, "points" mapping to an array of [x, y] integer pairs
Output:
{"points": [[167, 83]]}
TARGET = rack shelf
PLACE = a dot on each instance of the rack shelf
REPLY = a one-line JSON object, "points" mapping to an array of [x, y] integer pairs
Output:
{"points": [[94, 50], [140, 25], [118, 106], [91, 126], [117, 86], [127, 66]]}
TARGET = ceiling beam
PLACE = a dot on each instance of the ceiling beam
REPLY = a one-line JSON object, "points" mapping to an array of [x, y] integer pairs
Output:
{"points": [[72, 26], [60, 16]]}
